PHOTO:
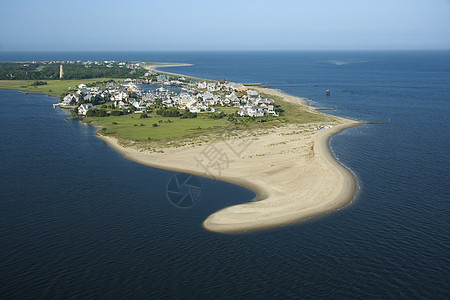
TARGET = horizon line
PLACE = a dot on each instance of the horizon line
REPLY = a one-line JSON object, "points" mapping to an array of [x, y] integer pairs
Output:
{"points": [[230, 50]]}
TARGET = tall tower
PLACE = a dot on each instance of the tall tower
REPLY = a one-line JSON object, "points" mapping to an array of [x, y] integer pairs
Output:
{"points": [[61, 72]]}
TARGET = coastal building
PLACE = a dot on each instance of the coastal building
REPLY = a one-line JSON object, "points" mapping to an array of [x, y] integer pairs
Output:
{"points": [[70, 100], [232, 99], [253, 96], [195, 108], [201, 85], [88, 97], [208, 98], [140, 106], [235, 86], [211, 86], [163, 77], [84, 108], [265, 102], [222, 82], [251, 111]]}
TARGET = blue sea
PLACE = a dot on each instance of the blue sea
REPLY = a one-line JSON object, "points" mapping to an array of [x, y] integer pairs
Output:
{"points": [[78, 220]]}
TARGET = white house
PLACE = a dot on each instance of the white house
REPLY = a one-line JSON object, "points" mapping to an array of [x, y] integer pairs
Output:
{"points": [[252, 111], [208, 98], [252, 95], [201, 85], [211, 86], [118, 96], [256, 111], [84, 108], [232, 99], [266, 101], [194, 106], [235, 86], [121, 104], [185, 98], [194, 109], [140, 106], [162, 77], [69, 100], [225, 102], [217, 98], [88, 97]]}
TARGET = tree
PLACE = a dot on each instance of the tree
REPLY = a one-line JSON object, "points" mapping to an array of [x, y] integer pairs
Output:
{"points": [[100, 113], [168, 112], [36, 83], [90, 113], [116, 113], [188, 115]]}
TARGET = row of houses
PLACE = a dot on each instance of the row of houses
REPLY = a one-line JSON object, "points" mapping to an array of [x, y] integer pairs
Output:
{"points": [[221, 85], [196, 97]]}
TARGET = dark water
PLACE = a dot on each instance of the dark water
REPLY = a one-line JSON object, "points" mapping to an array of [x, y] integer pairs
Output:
{"points": [[78, 220]]}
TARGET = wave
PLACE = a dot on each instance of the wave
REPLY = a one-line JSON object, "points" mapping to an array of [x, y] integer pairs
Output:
{"points": [[345, 61]]}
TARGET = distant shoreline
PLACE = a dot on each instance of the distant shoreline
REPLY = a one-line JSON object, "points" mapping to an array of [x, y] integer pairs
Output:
{"points": [[294, 175]]}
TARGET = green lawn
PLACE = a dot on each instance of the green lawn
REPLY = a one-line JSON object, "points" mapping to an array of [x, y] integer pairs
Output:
{"points": [[52, 88], [129, 127]]}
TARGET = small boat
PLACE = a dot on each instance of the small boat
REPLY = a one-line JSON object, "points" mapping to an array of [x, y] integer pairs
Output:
{"points": [[327, 92]]}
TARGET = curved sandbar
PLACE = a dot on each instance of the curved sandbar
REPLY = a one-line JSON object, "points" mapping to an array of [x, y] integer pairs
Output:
{"points": [[296, 188], [291, 170]]}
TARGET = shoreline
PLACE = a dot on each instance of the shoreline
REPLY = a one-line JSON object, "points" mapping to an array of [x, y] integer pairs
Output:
{"points": [[292, 180], [327, 184]]}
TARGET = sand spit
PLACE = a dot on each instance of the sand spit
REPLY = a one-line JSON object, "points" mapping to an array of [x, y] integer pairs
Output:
{"points": [[291, 169]]}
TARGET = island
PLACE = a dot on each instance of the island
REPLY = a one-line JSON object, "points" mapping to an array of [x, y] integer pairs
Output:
{"points": [[270, 142]]}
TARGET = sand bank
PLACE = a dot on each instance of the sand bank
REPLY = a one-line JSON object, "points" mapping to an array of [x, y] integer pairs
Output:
{"points": [[291, 170], [276, 92], [154, 67]]}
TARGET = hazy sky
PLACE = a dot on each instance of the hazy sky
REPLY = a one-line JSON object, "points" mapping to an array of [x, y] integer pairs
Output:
{"points": [[224, 25]]}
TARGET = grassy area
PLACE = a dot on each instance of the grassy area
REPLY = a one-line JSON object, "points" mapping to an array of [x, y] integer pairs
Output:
{"points": [[298, 114], [131, 127], [52, 88], [175, 131]]}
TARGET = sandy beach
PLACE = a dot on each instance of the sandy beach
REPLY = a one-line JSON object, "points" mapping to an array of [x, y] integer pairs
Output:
{"points": [[291, 170], [154, 67]]}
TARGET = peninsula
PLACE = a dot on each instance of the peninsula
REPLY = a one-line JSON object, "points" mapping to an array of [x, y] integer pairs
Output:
{"points": [[260, 138]]}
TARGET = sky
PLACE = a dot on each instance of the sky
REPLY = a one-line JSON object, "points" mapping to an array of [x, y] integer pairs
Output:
{"points": [[159, 25]]}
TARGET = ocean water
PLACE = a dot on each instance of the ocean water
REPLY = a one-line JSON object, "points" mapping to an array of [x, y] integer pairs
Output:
{"points": [[77, 220]]}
